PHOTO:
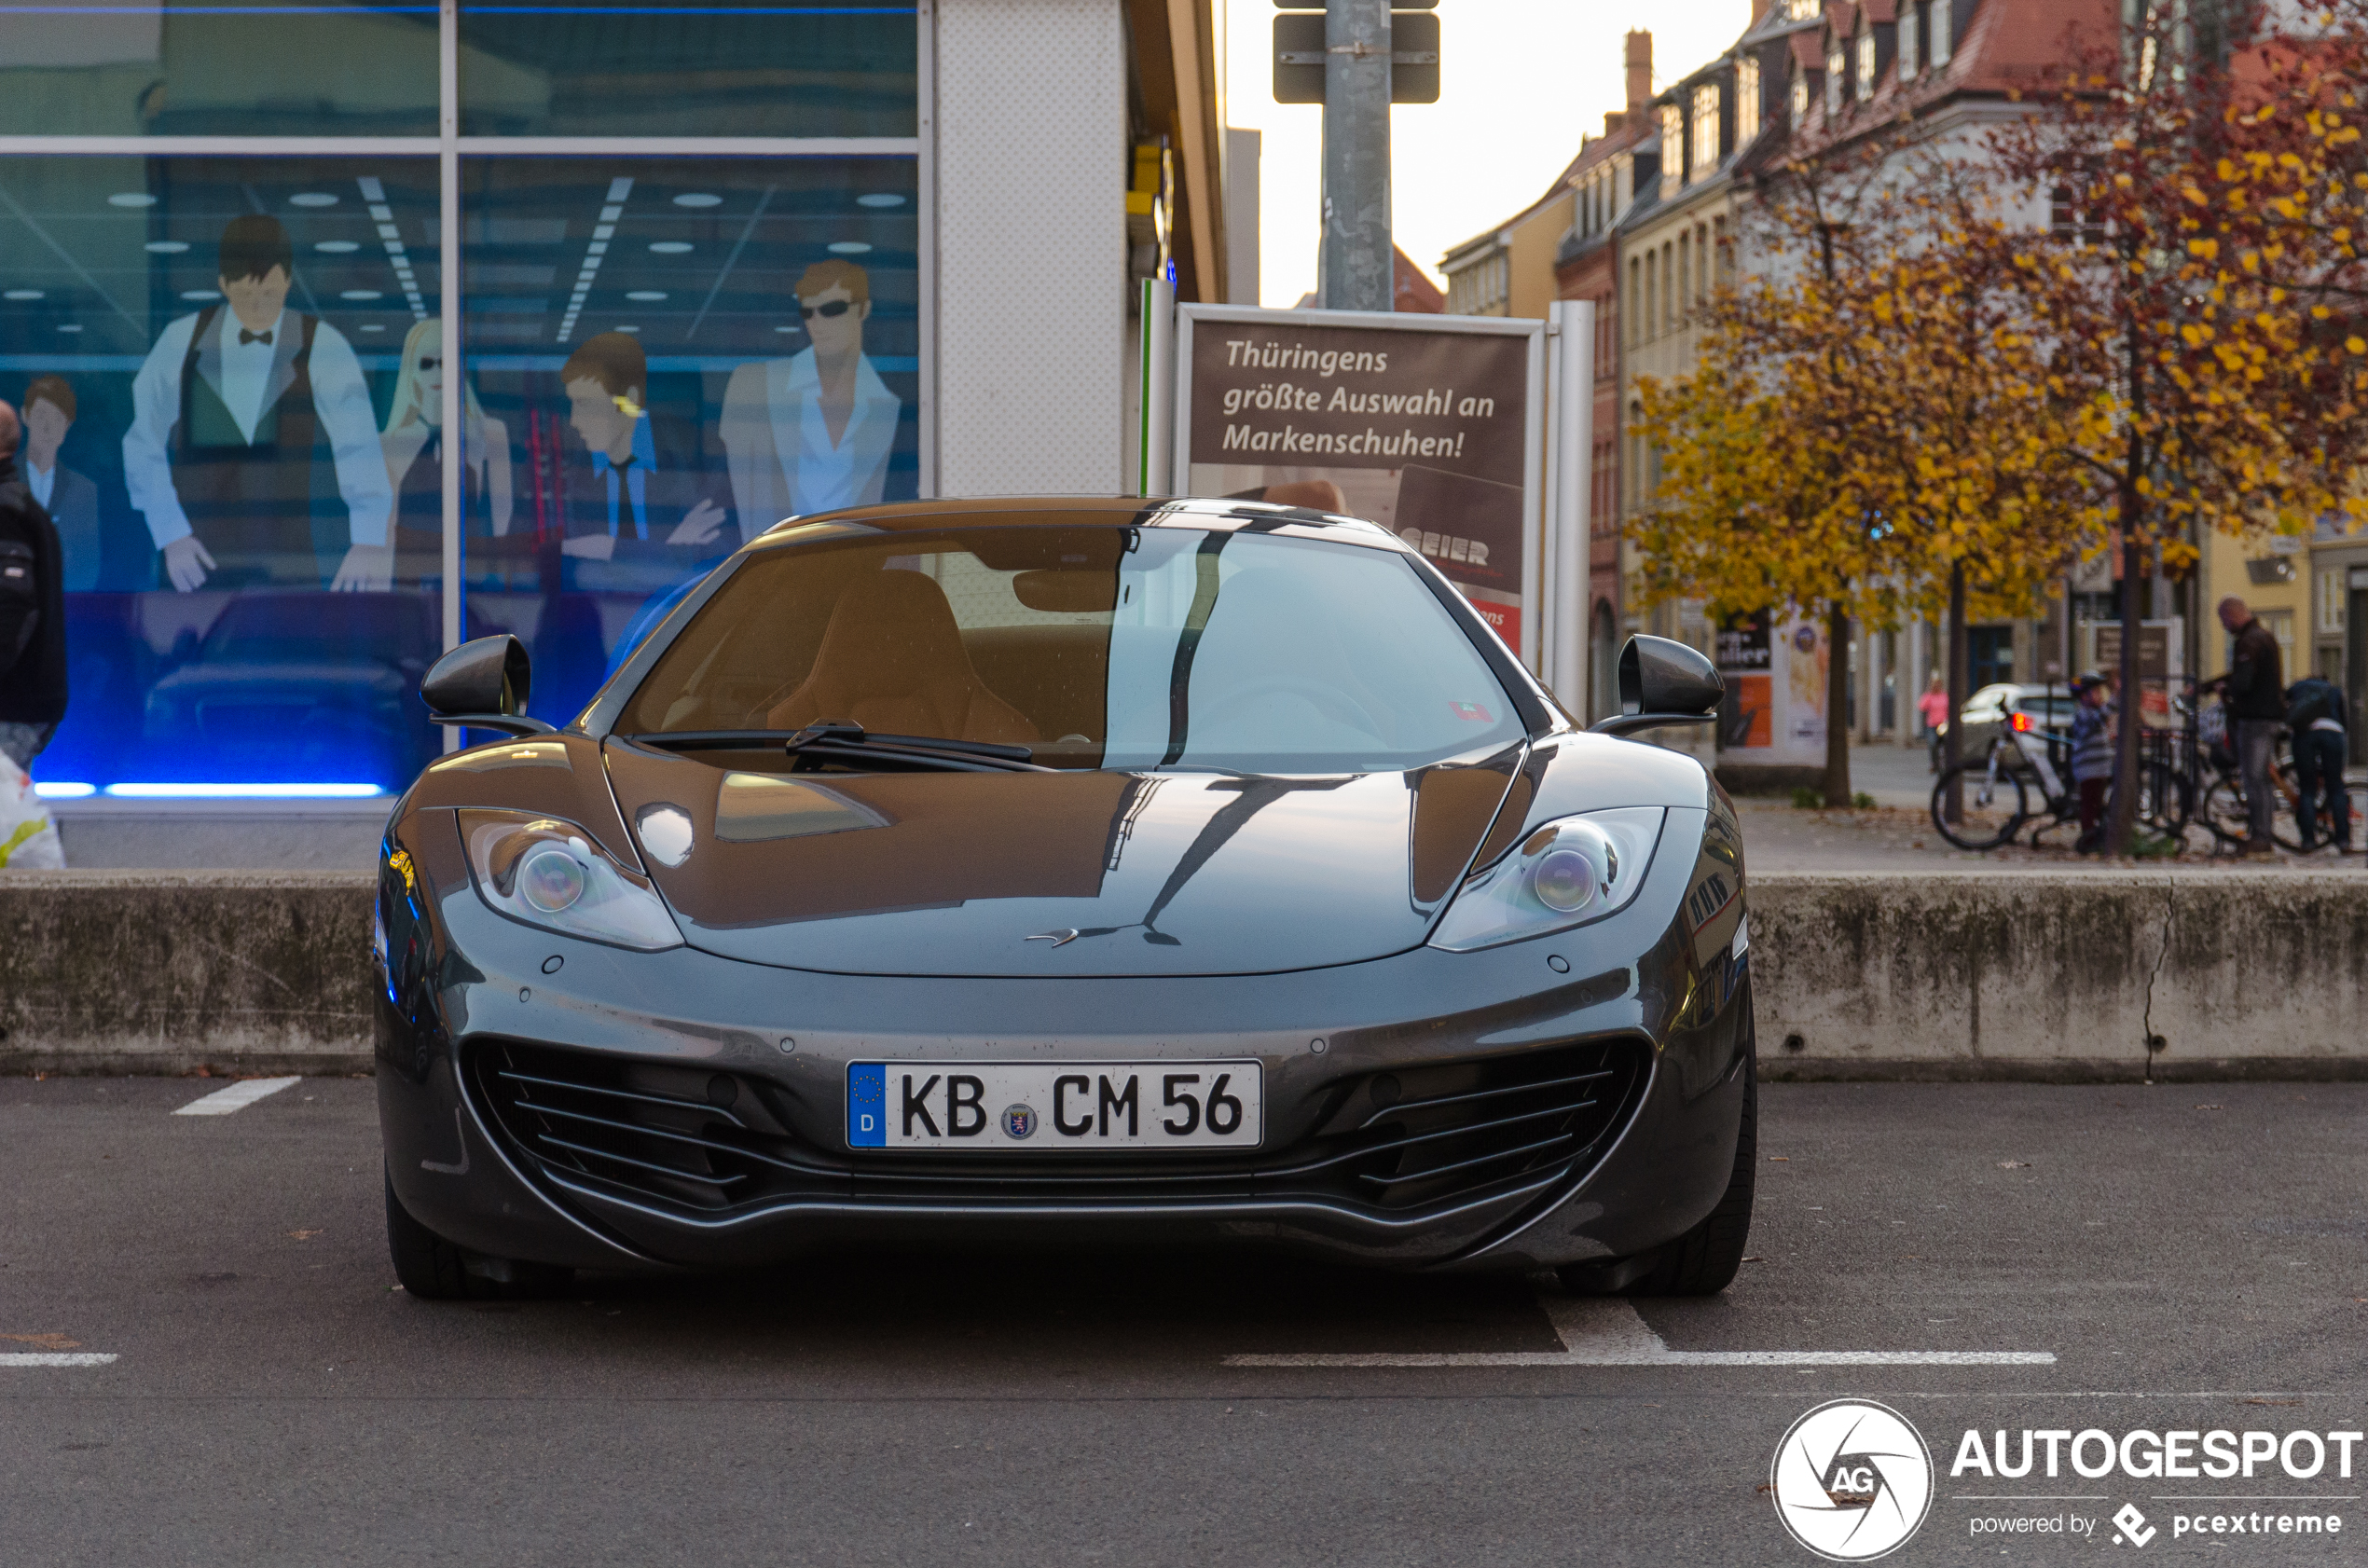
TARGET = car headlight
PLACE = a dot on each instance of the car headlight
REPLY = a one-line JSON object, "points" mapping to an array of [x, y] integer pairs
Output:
{"points": [[549, 874], [1564, 874]]}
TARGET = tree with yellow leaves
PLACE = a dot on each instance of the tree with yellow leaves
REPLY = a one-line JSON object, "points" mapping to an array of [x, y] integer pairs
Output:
{"points": [[2190, 382], [1867, 437]]}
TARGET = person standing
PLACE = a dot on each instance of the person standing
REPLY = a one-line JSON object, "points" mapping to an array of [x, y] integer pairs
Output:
{"points": [[235, 413], [1932, 708], [33, 613], [71, 498], [2315, 711], [2092, 755], [2254, 689]]}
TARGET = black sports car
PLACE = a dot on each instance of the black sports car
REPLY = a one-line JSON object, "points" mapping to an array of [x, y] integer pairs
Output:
{"points": [[1183, 870]]}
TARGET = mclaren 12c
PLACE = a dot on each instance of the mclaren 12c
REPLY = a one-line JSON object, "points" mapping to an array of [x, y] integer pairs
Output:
{"points": [[1181, 873]]}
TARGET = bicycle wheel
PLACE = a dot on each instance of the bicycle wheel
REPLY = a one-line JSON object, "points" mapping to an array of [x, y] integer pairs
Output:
{"points": [[2285, 803], [2164, 801], [2223, 809], [1994, 807]]}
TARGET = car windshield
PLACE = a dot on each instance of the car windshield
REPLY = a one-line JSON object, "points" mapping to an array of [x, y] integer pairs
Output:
{"points": [[1130, 647]]}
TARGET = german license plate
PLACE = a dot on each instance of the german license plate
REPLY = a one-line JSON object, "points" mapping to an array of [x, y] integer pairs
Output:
{"points": [[1036, 1106]]}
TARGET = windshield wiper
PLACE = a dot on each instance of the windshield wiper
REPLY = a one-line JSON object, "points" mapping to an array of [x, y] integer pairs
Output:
{"points": [[842, 740]]}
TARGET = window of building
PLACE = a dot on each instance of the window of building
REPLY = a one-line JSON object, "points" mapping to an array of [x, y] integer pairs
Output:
{"points": [[1801, 10], [2332, 593], [1944, 36], [1908, 66], [1672, 149], [1800, 95], [1669, 286], [1747, 99], [241, 343], [1705, 146], [1865, 72], [1837, 76]]}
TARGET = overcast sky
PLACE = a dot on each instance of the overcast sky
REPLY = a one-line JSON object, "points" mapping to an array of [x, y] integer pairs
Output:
{"points": [[1521, 81]]}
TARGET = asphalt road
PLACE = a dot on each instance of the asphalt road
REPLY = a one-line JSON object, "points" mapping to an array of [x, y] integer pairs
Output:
{"points": [[2192, 1257]]}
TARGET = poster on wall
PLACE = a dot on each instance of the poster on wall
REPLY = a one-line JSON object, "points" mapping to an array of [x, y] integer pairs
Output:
{"points": [[1430, 426], [1774, 715]]}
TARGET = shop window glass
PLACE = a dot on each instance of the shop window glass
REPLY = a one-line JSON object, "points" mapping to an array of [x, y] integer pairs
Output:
{"points": [[208, 348], [622, 68], [665, 358], [104, 68]]}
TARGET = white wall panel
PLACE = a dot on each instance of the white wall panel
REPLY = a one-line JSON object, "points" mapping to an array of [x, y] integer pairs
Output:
{"points": [[1030, 177]]}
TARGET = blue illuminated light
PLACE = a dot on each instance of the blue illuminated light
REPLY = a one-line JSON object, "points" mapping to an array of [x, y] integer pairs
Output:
{"points": [[65, 791], [243, 791]]}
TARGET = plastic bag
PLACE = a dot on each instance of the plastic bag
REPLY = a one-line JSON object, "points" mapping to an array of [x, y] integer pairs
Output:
{"points": [[28, 839]]}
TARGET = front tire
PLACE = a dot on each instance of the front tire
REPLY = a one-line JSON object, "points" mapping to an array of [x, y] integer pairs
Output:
{"points": [[1703, 1261], [434, 1270]]}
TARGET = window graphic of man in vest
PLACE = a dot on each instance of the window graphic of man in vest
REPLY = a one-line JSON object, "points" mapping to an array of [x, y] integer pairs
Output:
{"points": [[235, 416]]}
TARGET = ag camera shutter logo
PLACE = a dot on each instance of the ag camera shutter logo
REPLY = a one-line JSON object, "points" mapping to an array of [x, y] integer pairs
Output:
{"points": [[1851, 1480]]}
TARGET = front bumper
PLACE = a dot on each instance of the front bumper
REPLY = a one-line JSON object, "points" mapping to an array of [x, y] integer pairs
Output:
{"points": [[640, 1110]]}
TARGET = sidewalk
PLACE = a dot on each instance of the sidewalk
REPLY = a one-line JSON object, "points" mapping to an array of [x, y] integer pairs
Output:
{"points": [[1897, 834]]}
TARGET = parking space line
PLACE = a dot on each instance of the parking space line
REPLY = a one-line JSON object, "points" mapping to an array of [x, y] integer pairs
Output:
{"points": [[53, 1359], [240, 1095], [1606, 1332]]}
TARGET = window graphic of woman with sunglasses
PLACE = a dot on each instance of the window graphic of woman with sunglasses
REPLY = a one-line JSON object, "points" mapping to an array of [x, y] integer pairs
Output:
{"points": [[414, 447], [813, 431]]}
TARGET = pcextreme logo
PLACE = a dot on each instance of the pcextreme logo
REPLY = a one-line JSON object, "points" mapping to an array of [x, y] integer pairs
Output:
{"points": [[1851, 1480]]}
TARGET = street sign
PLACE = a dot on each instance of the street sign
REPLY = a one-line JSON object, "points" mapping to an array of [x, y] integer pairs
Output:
{"points": [[1299, 56]]}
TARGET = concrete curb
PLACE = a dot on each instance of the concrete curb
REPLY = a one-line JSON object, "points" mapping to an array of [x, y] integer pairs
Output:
{"points": [[2089, 975], [112, 971], [2083, 976]]}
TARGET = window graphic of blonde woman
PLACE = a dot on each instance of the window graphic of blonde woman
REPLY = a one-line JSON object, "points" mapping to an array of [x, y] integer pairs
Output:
{"points": [[413, 444]]}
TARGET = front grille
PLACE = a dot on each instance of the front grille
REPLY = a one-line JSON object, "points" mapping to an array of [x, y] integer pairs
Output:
{"points": [[1400, 1143]]}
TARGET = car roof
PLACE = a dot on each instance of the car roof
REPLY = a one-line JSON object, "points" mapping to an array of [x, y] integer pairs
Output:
{"points": [[1078, 511]]}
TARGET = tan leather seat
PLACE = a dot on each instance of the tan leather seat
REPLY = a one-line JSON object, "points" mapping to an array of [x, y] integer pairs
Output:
{"points": [[892, 661]]}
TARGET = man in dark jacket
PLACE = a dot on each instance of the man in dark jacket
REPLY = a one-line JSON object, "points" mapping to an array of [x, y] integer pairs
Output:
{"points": [[32, 611], [2254, 689], [2315, 713]]}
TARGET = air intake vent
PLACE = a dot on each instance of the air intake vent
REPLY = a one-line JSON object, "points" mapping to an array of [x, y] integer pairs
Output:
{"points": [[1400, 1143]]}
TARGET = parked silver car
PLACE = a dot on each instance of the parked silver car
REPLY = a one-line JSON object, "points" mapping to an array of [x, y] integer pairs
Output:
{"points": [[1986, 714]]}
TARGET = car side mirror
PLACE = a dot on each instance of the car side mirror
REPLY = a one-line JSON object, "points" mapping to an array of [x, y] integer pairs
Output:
{"points": [[483, 684], [1663, 683]]}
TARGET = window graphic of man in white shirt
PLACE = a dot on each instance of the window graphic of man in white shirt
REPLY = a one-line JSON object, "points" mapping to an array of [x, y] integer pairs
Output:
{"points": [[233, 416], [813, 431]]}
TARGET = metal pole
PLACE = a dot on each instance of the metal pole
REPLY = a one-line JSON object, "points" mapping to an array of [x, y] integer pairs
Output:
{"points": [[454, 414], [1358, 274]]}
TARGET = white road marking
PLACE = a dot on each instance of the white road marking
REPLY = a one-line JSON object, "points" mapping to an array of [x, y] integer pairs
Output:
{"points": [[1606, 1332], [240, 1095], [52, 1358]]}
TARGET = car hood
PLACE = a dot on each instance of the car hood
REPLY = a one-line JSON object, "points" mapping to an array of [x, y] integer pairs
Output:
{"points": [[1068, 874]]}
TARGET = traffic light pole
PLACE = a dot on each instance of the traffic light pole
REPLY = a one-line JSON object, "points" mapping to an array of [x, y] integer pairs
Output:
{"points": [[1358, 272]]}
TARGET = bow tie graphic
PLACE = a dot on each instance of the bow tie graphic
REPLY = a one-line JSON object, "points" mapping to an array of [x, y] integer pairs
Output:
{"points": [[245, 337]]}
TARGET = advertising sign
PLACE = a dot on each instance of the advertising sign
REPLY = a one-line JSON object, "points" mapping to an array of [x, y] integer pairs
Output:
{"points": [[1775, 709], [1429, 425]]}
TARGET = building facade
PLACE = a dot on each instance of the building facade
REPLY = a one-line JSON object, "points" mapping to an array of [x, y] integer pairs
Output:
{"points": [[710, 266], [1586, 267]]}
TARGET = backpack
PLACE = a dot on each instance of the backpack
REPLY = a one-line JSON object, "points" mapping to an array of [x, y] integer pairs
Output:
{"points": [[2312, 700], [20, 601]]}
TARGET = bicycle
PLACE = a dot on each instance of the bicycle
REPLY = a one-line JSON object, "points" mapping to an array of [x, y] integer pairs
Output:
{"points": [[1998, 790], [2225, 810]]}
